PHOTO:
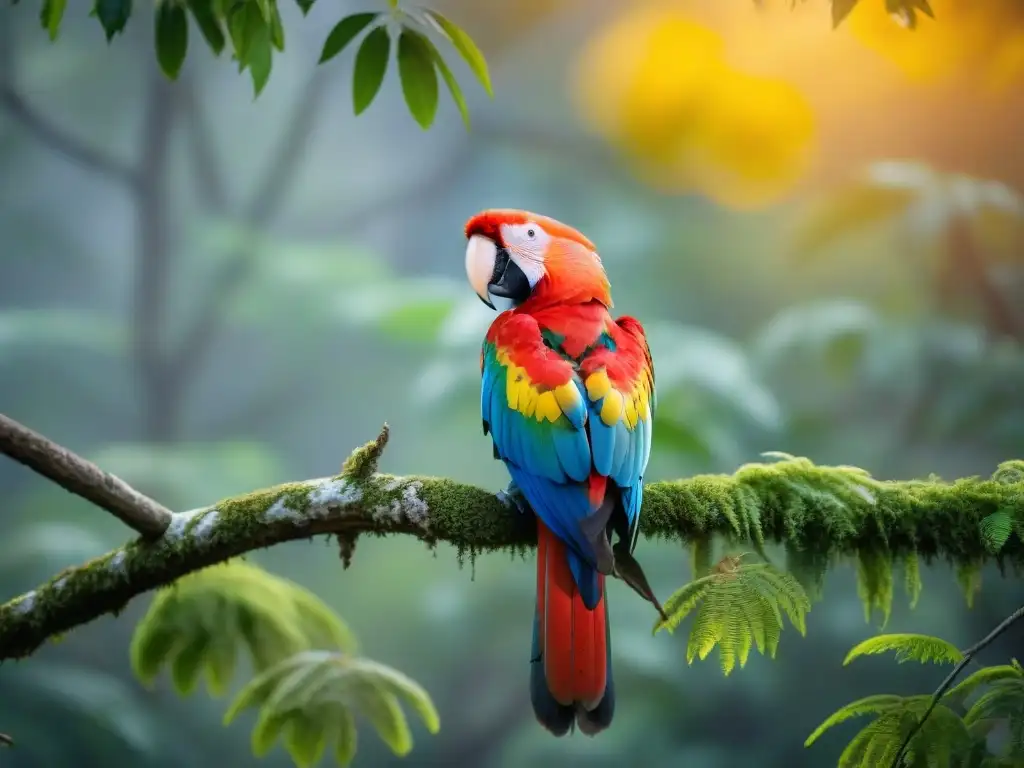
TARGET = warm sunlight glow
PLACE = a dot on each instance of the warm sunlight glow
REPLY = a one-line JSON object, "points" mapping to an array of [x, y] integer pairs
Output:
{"points": [[656, 84]]}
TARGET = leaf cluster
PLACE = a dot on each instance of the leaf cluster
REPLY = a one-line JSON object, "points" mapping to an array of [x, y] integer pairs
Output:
{"points": [[309, 684], [254, 31], [943, 733]]}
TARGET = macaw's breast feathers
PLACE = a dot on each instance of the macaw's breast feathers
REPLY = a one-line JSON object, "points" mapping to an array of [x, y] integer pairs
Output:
{"points": [[532, 402]]}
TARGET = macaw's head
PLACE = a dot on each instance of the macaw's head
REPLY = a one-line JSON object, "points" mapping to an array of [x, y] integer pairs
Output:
{"points": [[525, 257]]}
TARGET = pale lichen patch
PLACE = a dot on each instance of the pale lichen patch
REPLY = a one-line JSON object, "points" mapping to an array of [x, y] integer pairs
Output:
{"points": [[59, 583], [116, 562], [179, 525], [280, 510], [408, 507], [328, 495], [26, 603], [864, 493], [205, 525]]}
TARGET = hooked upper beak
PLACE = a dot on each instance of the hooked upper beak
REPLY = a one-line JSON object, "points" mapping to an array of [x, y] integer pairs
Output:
{"points": [[492, 272], [481, 260]]}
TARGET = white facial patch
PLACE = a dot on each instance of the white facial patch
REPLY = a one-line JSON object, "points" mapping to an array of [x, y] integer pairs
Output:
{"points": [[526, 245]]}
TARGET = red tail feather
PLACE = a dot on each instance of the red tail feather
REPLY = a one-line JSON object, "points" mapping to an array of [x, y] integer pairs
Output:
{"points": [[574, 639]]}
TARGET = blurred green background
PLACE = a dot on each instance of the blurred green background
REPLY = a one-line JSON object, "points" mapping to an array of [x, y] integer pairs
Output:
{"points": [[219, 294]]}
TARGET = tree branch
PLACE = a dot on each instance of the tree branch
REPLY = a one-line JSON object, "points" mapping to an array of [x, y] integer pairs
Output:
{"points": [[968, 657], [82, 478], [827, 510]]}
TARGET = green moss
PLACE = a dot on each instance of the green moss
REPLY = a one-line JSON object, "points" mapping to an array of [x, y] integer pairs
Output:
{"points": [[820, 514]]}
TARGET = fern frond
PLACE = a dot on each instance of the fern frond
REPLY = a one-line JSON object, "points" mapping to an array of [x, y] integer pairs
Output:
{"points": [[941, 740], [309, 701], [1002, 700], [740, 606], [984, 676], [996, 530], [908, 647]]}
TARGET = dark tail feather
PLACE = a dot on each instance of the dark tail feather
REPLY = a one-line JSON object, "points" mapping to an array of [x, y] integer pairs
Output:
{"points": [[594, 721], [557, 718]]}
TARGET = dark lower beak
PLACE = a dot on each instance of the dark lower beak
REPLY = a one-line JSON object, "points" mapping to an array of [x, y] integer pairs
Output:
{"points": [[508, 280]]}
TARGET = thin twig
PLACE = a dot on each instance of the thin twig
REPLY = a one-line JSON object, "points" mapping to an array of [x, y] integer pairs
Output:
{"points": [[210, 184], [83, 478], [969, 654], [56, 138]]}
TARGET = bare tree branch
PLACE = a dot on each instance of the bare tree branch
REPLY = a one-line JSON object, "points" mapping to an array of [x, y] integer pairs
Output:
{"points": [[792, 502], [968, 657], [83, 478], [153, 263], [270, 192], [63, 142]]}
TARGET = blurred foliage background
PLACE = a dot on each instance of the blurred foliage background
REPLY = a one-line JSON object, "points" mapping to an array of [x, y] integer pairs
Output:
{"points": [[206, 294]]}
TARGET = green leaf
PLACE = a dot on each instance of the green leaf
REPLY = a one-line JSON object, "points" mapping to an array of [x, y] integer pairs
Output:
{"points": [[305, 5], [464, 44], [310, 698], [450, 81], [343, 33], [261, 56], [840, 10], [197, 625], [996, 529], [113, 15], [370, 67], [209, 24], [51, 15], [908, 647], [276, 28], [171, 31], [741, 605], [245, 22]]}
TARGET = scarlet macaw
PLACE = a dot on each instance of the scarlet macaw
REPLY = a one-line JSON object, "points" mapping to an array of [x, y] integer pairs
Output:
{"points": [[568, 398]]}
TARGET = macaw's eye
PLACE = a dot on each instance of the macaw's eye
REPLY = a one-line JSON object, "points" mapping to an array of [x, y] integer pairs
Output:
{"points": [[531, 234]]}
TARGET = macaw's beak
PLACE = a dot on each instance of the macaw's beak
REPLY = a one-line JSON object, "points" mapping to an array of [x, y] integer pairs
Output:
{"points": [[492, 273]]}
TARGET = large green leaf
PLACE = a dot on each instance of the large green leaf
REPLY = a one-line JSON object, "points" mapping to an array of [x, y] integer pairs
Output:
{"points": [[171, 35], [197, 625], [113, 15], [418, 76], [310, 698], [370, 67], [343, 33]]}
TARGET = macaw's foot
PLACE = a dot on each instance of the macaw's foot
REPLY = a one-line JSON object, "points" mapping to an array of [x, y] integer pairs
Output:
{"points": [[628, 569], [514, 495]]}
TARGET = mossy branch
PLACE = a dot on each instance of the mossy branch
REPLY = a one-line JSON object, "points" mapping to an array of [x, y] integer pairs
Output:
{"points": [[824, 511]]}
